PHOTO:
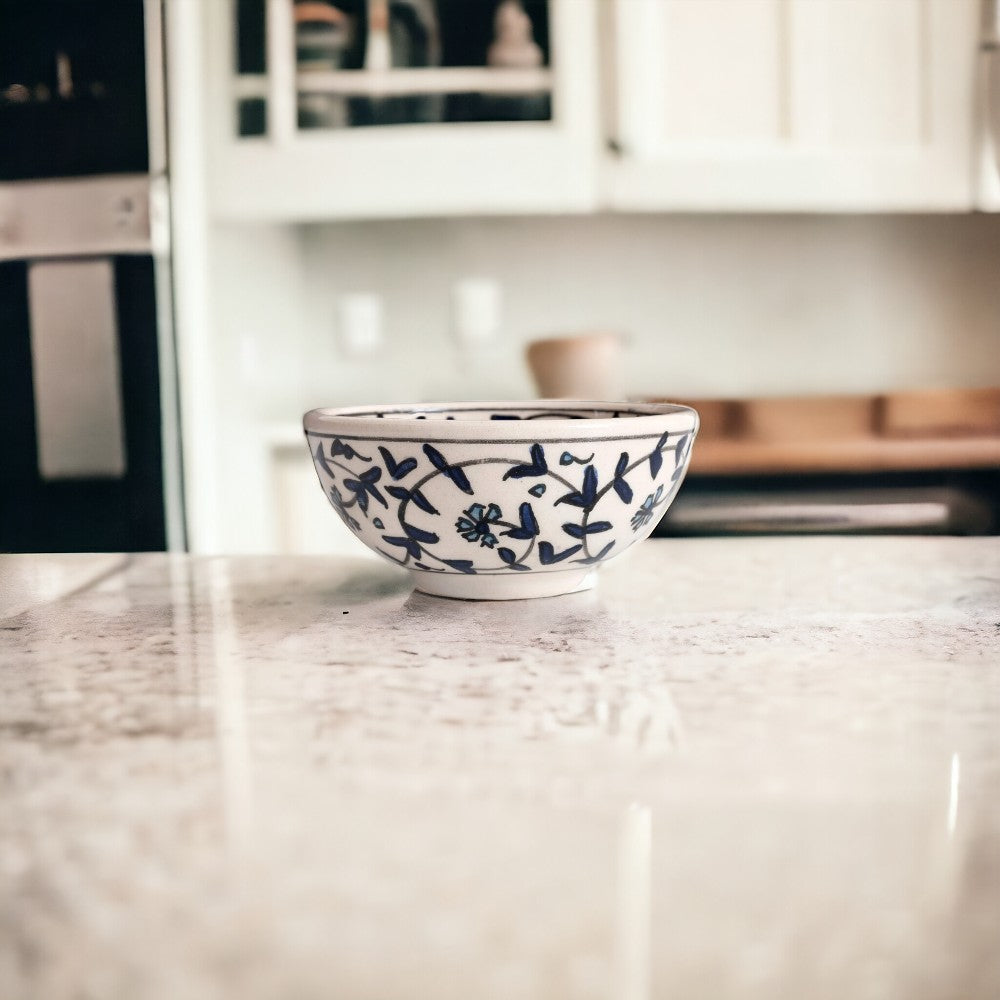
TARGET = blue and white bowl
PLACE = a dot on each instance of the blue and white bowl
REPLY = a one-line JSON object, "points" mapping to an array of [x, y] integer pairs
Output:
{"points": [[494, 501]]}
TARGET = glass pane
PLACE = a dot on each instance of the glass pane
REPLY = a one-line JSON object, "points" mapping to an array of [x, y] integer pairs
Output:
{"points": [[484, 107], [250, 34], [330, 34], [251, 116], [494, 33], [381, 38]]}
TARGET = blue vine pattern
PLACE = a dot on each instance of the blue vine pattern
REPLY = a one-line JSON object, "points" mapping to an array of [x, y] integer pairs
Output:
{"points": [[358, 491]]}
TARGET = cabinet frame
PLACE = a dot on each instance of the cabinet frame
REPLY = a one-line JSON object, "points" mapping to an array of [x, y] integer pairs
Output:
{"points": [[403, 171]]}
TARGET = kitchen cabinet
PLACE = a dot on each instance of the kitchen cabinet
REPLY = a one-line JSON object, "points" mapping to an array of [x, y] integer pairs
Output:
{"points": [[746, 105], [806, 105], [298, 170]]}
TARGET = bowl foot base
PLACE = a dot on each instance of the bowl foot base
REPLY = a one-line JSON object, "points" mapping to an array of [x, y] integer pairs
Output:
{"points": [[504, 587]]}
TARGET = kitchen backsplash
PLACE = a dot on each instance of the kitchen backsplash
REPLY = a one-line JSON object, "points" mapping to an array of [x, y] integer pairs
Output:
{"points": [[712, 305]]}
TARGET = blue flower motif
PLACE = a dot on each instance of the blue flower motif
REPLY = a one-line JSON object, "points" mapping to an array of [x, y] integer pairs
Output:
{"points": [[645, 513], [475, 524]]}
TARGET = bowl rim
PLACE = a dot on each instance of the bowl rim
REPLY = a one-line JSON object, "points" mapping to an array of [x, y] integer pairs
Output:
{"points": [[644, 420]]}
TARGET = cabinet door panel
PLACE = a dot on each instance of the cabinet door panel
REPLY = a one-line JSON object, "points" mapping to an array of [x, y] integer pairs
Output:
{"points": [[735, 94], [794, 104], [876, 57]]}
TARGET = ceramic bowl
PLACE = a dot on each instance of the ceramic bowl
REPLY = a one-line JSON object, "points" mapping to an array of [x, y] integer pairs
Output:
{"points": [[494, 501]]}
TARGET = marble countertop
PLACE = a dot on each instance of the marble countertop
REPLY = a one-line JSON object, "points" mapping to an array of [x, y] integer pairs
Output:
{"points": [[739, 769]]}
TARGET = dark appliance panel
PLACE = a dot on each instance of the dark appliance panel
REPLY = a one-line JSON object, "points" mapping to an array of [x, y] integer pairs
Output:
{"points": [[96, 513], [86, 375], [72, 88]]}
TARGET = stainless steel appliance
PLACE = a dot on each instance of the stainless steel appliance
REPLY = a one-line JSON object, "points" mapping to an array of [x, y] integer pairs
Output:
{"points": [[87, 376]]}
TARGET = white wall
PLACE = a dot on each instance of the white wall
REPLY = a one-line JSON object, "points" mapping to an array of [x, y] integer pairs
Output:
{"points": [[715, 305]]}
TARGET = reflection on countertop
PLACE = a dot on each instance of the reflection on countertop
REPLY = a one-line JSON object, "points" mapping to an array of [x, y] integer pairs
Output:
{"points": [[741, 768]]}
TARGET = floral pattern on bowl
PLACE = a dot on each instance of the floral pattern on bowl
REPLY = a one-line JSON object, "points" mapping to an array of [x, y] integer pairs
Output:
{"points": [[490, 508]]}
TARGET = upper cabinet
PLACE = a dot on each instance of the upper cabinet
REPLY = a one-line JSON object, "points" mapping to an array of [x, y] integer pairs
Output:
{"points": [[807, 105], [326, 109], [367, 108]]}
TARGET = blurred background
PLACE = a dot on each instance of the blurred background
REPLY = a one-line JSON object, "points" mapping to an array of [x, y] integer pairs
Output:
{"points": [[216, 214]]}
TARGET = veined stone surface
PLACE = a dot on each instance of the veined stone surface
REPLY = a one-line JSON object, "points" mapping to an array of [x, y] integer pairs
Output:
{"points": [[738, 769]]}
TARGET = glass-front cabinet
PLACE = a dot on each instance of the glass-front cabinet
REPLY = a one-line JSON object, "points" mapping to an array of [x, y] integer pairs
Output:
{"points": [[362, 108]]}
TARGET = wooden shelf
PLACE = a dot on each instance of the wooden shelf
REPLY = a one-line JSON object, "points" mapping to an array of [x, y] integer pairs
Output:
{"points": [[742, 456], [898, 431]]}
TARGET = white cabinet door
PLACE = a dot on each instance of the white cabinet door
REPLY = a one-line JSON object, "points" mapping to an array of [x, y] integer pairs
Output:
{"points": [[808, 105], [291, 174]]}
